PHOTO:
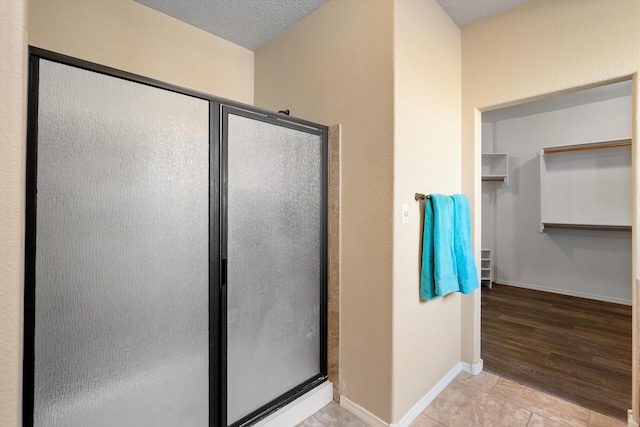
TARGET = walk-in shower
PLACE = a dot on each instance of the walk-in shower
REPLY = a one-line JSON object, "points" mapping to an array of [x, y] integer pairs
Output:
{"points": [[176, 253]]}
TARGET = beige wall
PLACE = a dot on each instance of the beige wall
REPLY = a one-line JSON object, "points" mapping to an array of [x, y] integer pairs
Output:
{"points": [[12, 159], [128, 36], [426, 335], [336, 66], [120, 34], [389, 71], [538, 48]]}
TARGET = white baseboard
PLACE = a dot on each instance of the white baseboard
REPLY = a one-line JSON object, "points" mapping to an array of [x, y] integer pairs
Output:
{"points": [[473, 369], [564, 292], [417, 409], [362, 413], [301, 408], [630, 422], [428, 398]]}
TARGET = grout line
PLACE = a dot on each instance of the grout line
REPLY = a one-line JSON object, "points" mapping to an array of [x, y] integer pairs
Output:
{"points": [[529, 420]]}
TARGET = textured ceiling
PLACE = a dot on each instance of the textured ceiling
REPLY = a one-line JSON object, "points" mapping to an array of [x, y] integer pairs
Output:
{"points": [[465, 12], [252, 23], [248, 23]]}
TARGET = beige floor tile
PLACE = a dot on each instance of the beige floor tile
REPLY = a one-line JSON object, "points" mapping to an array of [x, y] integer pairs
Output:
{"points": [[481, 383], [598, 420], [357, 422], [424, 421], [461, 406], [540, 421], [483, 400], [539, 403], [312, 421], [334, 415]]}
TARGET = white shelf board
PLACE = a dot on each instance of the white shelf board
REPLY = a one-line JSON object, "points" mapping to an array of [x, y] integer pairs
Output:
{"points": [[495, 168]]}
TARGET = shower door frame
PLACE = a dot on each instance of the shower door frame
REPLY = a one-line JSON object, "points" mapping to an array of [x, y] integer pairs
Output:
{"points": [[217, 237], [279, 402]]}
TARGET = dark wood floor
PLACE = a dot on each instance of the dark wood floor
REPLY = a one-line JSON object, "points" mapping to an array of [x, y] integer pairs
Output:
{"points": [[573, 348]]}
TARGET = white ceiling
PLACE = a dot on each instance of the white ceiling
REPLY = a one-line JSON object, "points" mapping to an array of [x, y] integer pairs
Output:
{"points": [[466, 12], [252, 23], [248, 23]]}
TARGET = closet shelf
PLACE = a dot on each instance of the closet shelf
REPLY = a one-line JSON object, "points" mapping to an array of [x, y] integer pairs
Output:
{"points": [[495, 168], [586, 187], [486, 269]]}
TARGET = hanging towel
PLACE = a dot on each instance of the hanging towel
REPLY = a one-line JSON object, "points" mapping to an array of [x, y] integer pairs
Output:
{"points": [[439, 274], [427, 282], [466, 265], [447, 258]]}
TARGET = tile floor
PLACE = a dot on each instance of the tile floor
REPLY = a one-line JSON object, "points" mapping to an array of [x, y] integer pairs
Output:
{"points": [[482, 401]]}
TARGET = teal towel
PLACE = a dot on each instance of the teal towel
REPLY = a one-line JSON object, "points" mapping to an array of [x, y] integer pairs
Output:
{"points": [[466, 264], [439, 275], [427, 282], [447, 258]]}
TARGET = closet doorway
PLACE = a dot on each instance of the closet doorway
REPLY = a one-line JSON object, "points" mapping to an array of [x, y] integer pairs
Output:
{"points": [[556, 239]]}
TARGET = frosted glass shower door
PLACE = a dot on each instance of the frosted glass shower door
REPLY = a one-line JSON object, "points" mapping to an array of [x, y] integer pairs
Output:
{"points": [[121, 253], [275, 249]]}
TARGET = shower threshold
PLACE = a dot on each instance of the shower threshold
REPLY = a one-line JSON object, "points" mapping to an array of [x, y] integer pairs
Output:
{"points": [[301, 408]]}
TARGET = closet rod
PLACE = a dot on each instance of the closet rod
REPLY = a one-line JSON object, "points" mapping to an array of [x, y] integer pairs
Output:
{"points": [[420, 196], [624, 143], [588, 227]]}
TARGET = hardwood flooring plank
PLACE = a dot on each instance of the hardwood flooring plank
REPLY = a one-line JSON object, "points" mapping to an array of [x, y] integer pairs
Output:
{"points": [[619, 364], [573, 348], [606, 377], [557, 383]]}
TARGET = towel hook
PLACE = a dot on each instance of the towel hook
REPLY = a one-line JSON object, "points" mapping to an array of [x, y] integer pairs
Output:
{"points": [[420, 196]]}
